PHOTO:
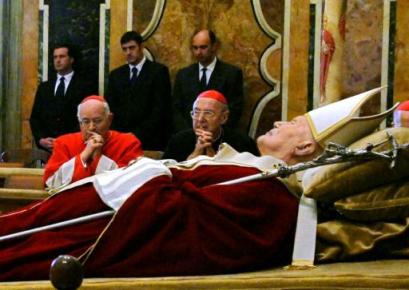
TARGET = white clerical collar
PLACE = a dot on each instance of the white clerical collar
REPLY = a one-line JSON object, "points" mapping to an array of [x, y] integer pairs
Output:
{"points": [[67, 77], [210, 67], [139, 65]]}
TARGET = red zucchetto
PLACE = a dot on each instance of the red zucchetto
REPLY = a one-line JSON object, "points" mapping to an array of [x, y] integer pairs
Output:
{"points": [[404, 106], [94, 97], [213, 94]]}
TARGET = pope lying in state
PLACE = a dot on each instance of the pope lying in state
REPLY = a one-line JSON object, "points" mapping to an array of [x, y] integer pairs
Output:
{"points": [[173, 218]]}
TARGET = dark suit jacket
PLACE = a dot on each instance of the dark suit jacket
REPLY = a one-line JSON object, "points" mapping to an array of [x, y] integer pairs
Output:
{"points": [[226, 78], [51, 116], [143, 108]]}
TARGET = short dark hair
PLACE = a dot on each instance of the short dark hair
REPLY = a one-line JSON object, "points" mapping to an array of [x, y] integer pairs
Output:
{"points": [[71, 51], [131, 35]]}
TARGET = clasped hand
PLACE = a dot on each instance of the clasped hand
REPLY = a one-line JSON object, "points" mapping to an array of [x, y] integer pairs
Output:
{"points": [[93, 147], [203, 144]]}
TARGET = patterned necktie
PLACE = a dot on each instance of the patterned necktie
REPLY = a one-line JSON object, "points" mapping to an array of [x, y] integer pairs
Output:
{"points": [[134, 75], [203, 82], [60, 92]]}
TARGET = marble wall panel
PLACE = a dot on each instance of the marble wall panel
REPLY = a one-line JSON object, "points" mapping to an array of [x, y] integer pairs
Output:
{"points": [[363, 48], [272, 111], [30, 64], [294, 65], [401, 85], [273, 12], [117, 28], [299, 46], [142, 14], [274, 64]]}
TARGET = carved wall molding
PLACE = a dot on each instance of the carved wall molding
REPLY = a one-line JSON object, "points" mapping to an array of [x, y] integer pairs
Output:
{"points": [[276, 83]]}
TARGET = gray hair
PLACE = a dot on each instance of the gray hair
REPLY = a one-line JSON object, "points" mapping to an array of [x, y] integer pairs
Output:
{"points": [[106, 110]]}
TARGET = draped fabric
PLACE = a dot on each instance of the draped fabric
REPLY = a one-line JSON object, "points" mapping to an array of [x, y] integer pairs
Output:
{"points": [[29, 258], [343, 240], [177, 225]]}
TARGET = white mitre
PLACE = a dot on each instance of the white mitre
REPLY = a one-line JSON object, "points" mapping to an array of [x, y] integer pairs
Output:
{"points": [[340, 122]]}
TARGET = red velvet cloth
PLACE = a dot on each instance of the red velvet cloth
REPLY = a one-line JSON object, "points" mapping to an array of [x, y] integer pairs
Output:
{"points": [[29, 257], [170, 226]]}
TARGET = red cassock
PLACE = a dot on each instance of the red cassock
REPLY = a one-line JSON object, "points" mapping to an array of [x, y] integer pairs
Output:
{"points": [[65, 165], [179, 225]]}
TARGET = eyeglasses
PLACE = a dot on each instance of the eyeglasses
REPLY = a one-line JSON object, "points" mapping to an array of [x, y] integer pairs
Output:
{"points": [[87, 122], [207, 114]]}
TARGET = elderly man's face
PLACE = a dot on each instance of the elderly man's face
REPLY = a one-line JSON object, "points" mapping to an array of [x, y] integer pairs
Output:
{"points": [[209, 114], [93, 118], [290, 141]]}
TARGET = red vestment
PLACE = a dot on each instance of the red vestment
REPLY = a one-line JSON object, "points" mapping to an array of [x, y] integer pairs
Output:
{"points": [[65, 165], [179, 225]]}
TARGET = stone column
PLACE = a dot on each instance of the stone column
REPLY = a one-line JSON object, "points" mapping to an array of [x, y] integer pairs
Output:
{"points": [[11, 16]]}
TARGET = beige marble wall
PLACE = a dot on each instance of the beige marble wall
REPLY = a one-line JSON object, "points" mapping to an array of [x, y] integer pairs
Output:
{"points": [[296, 65], [273, 12], [401, 85], [142, 14], [299, 42], [118, 27], [363, 46], [29, 54]]}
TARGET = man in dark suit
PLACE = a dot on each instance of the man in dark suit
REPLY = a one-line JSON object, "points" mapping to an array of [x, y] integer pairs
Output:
{"points": [[209, 73], [55, 105], [139, 95]]}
